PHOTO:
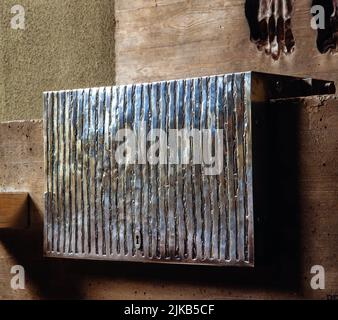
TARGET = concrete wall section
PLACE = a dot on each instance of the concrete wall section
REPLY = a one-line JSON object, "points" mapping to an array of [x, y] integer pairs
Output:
{"points": [[65, 44]]}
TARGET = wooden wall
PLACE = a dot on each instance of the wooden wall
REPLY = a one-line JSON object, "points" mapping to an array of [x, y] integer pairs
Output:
{"points": [[163, 39], [167, 39]]}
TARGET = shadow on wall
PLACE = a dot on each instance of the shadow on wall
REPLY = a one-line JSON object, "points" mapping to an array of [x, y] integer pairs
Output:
{"points": [[50, 279]]}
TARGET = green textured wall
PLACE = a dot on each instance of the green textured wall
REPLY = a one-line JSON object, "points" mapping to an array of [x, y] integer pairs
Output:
{"points": [[66, 44]]}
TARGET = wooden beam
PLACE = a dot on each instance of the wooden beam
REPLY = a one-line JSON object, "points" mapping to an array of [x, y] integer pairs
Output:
{"points": [[13, 210]]}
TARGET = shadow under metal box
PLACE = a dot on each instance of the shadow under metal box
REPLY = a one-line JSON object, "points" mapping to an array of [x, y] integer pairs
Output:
{"points": [[99, 207]]}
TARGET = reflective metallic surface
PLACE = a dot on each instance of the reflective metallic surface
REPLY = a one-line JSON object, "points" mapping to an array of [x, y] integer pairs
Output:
{"points": [[99, 209], [270, 25], [325, 13]]}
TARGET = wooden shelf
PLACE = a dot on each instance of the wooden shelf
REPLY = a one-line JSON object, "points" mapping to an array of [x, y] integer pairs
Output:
{"points": [[13, 210]]}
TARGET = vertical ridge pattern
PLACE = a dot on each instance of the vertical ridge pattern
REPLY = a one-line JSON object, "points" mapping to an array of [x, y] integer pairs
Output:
{"points": [[98, 207]]}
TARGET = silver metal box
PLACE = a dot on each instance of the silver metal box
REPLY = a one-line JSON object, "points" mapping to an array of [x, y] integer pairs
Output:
{"points": [[99, 208]]}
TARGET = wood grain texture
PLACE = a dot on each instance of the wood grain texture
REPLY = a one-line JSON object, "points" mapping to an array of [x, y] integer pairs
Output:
{"points": [[13, 210], [162, 39], [298, 243]]}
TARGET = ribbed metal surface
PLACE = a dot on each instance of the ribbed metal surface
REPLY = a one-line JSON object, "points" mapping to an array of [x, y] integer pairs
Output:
{"points": [[99, 209]]}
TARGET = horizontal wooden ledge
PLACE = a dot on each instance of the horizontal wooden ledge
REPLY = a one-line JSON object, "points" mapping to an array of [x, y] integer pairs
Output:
{"points": [[13, 210]]}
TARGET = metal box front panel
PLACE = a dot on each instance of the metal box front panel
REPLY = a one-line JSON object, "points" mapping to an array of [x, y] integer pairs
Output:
{"points": [[98, 208]]}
